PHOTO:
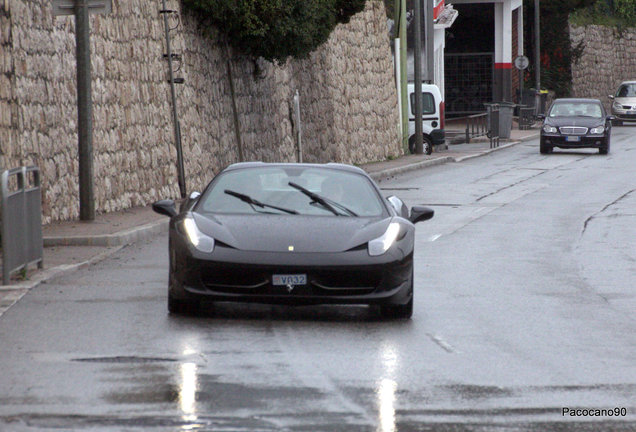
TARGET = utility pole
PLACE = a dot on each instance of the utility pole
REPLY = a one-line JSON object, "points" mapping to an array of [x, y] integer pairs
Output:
{"points": [[81, 10], [537, 55], [430, 46], [417, 72], [401, 61], [84, 111]]}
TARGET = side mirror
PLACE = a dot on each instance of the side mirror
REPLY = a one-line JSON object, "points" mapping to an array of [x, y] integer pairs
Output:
{"points": [[399, 206], [541, 116], [419, 214], [165, 207], [611, 118], [190, 201], [610, 96]]}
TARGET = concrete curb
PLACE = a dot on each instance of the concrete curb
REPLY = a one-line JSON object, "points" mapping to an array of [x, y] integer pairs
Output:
{"points": [[106, 240], [17, 291], [60, 270], [388, 173]]}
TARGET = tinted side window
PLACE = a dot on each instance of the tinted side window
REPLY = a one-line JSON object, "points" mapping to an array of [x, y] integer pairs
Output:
{"points": [[428, 103]]}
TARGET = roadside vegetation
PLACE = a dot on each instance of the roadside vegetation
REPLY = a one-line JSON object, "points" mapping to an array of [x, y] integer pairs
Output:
{"points": [[274, 29], [610, 13], [557, 54]]}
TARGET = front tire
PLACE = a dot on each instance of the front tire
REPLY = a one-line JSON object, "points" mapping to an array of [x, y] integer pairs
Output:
{"points": [[176, 306], [543, 147], [427, 145], [397, 311], [404, 311]]}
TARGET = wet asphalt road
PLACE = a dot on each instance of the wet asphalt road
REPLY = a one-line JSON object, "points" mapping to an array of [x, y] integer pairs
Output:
{"points": [[524, 307]]}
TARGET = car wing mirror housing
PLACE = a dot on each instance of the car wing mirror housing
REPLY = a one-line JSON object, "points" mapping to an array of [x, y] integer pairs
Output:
{"points": [[399, 206], [610, 96], [165, 207], [611, 117], [541, 116], [190, 201], [420, 214]]}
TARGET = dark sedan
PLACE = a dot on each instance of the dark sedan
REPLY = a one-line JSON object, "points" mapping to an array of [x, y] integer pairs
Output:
{"points": [[292, 234], [576, 123]]}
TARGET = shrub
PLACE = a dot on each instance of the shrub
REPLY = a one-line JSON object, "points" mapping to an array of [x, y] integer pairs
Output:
{"points": [[275, 29]]}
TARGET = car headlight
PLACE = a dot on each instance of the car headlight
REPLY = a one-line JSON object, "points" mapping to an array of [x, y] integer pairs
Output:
{"points": [[617, 106], [199, 240], [597, 130], [549, 129], [382, 244]]}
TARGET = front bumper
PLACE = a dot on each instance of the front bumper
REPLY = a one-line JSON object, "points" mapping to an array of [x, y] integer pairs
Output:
{"points": [[344, 278], [623, 115], [584, 141]]}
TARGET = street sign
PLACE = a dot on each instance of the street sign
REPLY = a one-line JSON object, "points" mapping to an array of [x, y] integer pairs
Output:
{"points": [[67, 7], [522, 62]]}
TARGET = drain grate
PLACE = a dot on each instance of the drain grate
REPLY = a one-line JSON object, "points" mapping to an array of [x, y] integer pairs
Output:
{"points": [[123, 359]]}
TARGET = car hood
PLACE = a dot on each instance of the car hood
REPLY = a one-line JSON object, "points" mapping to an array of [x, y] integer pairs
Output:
{"points": [[574, 121], [630, 101], [277, 233]]}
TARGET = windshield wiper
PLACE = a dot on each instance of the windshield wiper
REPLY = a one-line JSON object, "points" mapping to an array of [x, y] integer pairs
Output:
{"points": [[251, 201], [325, 202]]}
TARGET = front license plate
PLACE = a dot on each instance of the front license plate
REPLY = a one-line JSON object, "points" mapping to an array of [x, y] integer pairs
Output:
{"points": [[631, 112], [289, 279], [573, 138]]}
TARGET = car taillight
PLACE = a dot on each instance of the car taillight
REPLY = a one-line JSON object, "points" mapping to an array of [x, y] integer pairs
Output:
{"points": [[441, 115]]}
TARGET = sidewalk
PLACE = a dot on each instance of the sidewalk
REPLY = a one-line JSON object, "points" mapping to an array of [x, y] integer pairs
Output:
{"points": [[71, 245]]}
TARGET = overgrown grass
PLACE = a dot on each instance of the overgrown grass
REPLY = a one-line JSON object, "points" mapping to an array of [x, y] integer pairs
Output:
{"points": [[596, 15]]}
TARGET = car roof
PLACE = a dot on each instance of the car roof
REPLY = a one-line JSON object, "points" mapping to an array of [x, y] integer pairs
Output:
{"points": [[330, 165], [628, 82], [577, 100]]}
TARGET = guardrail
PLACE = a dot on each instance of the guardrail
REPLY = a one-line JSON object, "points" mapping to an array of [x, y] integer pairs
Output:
{"points": [[21, 220], [476, 126], [526, 117], [493, 124]]}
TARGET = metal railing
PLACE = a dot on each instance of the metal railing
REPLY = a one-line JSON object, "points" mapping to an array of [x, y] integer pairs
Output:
{"points": [[493, 124], [526, 117], [476, 126], [20, 220]]}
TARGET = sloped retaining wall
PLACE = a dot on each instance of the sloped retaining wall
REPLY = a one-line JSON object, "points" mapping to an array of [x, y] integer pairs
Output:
{"points": [[348, 102], [608, 57]]}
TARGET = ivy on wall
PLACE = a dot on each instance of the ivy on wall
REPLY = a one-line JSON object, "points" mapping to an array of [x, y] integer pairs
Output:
{"points": [[557, 54], [275, 29]]}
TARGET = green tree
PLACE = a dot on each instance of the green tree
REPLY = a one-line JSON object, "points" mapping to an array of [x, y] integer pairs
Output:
{"points": [[275, 29]]}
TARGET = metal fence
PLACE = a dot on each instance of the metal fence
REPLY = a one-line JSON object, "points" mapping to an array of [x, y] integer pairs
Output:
{"points": [[21, 219], [476, 126], [493, 124], [468, 81]]}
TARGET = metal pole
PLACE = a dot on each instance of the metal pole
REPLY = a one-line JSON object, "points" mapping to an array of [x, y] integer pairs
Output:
{"points": [[298, 127], [417, 72], [537, 55], [430, 39], [400, 28], [175, 119], [84, 111]]}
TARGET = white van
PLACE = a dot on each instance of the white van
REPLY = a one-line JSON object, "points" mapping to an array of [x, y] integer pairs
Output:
{"points": [[432, 117]]}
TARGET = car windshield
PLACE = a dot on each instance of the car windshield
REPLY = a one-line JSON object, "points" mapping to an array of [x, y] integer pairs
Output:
{"points": [[292, 190], [576, 109], [626, 90]]}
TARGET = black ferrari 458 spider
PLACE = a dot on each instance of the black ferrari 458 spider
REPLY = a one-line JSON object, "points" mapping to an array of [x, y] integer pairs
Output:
{"points": [[285, 233]]}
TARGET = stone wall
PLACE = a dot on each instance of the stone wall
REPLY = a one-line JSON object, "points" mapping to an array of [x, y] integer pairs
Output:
{"points": [[608, 57], [348, 102]]}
